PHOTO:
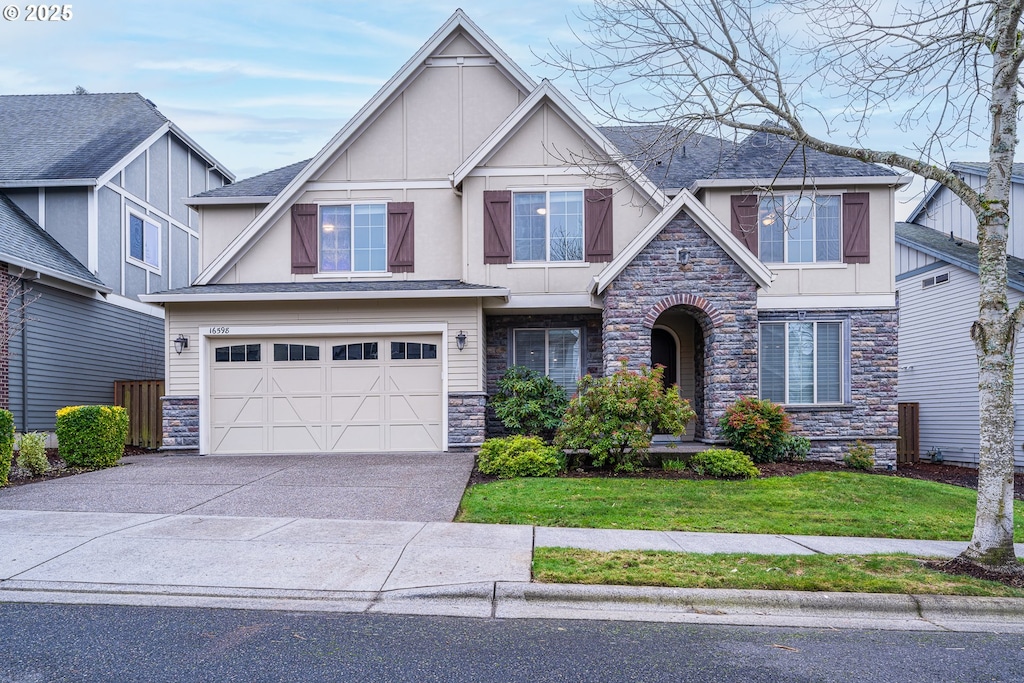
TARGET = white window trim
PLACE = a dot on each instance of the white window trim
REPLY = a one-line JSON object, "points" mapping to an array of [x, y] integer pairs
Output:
{"points": [[547, 226], [129, 212], [547, 342], [352, 241], [786, 263], [844, 360]]}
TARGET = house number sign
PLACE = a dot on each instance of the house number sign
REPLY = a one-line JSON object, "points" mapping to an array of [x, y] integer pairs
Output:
{"points": [[219, 330]]}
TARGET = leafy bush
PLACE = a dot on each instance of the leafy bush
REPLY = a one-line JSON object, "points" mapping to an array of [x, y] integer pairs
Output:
{"points": [[723, 463], [519, 456], [32, 453], [528, 402], [613, 417], [861, 456], [91, 436], [6, 445], [795, 448], [673, 465], [756, 427]]}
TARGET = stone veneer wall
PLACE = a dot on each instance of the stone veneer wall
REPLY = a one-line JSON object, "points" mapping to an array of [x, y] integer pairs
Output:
{"points": [[8, 286], [467, 420], [871, 414], [712, 288], [181, 422], [499, 347]]}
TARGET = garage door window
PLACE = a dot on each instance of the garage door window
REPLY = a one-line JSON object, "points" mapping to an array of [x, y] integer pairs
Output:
{"points": [[290, 352], [239, 353], [364, 351], [413, 351]]}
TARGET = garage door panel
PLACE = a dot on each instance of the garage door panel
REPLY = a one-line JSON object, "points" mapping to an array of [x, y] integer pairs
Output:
{"points": [[414, 408], [298, 409], [414, 378], [355, 379], [230, 410], [296, 438], [356, 409], [238, 439], [238, 380], [356, 437], [297, 380], [414, 437]]}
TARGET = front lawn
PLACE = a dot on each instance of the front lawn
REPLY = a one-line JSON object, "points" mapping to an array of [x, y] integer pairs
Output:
{"points": [[814, 503], [848, 573]]}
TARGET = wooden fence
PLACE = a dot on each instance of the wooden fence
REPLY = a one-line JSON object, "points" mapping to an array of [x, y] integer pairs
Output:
{"points": [[141, 398], [908, 447]]}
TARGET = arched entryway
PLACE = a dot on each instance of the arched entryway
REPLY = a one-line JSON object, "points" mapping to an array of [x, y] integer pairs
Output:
{"points": [[677, 344]]}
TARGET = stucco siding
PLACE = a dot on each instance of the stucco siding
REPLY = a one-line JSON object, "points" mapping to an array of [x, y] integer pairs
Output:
{"points": [[220, 225], [27, 201], [111, 233], [938, 366], [179, 181], [464, 367], [158, 191], [67, 219]]}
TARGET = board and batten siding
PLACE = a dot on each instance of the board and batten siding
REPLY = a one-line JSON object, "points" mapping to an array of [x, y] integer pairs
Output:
{"points": [[465, 369], [908, 259], [938, 368], [77, 348]]}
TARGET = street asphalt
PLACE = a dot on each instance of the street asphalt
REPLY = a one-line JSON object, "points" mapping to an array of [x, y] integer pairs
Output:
{"points": [[373, 534]]}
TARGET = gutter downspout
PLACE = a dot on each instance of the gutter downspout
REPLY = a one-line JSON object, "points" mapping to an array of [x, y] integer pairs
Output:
{"points": [[24, 357]]}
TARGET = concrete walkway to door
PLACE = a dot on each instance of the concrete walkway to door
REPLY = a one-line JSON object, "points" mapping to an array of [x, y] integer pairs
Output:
{"points": [[415, 487]]}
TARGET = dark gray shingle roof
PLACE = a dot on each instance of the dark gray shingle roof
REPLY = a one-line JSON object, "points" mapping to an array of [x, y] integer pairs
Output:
{"points": [[954, 251], [670, 157], [981, 167], [761, 155], [23, 243], [357, 286], [63, 137], [267, 184]]}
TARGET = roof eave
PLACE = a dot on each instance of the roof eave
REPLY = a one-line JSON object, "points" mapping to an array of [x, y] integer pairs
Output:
{"points": [[48, 182], [54, 273], [215, 201], [171, 297], [825, 181]]}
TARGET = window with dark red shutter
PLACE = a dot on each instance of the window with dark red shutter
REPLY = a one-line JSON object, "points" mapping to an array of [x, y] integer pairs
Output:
{"points": [[744, 220], [304, 238], [856, 228], [401, 237], [598, 224], [497, 226]]}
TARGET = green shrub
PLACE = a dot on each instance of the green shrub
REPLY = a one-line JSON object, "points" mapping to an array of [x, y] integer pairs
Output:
{"points": [[795, 448], [756, 427], [613, 417], [528, 402], [723, 463], [861, 456], [6, 445], [91, 436], [673, 465], [32, 453], [519, 456]]}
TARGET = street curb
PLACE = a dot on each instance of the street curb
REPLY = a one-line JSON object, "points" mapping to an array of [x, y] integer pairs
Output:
{"points": [[524, 600]]}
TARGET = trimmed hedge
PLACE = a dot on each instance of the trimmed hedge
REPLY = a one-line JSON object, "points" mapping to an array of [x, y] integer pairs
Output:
{"points": [[32, 453], [723, 463], [91, 436], [519, 456], [6, 445]]}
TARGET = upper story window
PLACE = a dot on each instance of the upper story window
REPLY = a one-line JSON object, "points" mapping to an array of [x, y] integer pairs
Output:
{"points": [[548, 226], [800, 228], [144, 241], [353, 238], [802, 362]]}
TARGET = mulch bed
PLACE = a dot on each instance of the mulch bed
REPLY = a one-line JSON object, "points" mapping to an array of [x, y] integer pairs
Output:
{"points": [[962, 567], [58, 468]]}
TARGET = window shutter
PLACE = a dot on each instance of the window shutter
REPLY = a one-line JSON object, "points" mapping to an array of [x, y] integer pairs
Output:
{"points": [[856, 228], [304, 238], [497, 226], [401, 238], [597, 220], [744, 220]]}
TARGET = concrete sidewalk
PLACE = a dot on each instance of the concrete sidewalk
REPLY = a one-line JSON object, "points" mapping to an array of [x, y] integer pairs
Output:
{"points": [[294, 563]]}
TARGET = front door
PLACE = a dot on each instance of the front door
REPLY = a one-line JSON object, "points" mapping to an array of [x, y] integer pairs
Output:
{"points": [[664, 352]]}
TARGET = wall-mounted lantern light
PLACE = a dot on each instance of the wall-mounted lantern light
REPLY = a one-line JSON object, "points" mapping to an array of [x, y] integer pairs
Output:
{"points": [[181, 343], [460, 340], [682, 256]]}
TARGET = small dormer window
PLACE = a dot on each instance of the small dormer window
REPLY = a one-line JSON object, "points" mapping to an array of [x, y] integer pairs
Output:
{"points": [[800, 228]]}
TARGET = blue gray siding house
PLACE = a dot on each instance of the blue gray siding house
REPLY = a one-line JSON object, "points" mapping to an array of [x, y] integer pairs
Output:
{"points": [[92, 191]]}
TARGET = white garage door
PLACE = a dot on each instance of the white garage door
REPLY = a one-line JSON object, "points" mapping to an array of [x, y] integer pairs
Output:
{"points": [[325, 395]]}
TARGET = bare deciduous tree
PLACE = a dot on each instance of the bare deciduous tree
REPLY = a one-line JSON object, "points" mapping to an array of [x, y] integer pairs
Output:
{"points": [[819, 70]]}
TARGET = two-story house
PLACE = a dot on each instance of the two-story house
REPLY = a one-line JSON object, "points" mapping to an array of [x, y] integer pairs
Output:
{"points": [[92, 215], [937, 281], [468, 218]]}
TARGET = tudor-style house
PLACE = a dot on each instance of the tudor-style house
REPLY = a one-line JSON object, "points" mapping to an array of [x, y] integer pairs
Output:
{"points": [[370, 298]]}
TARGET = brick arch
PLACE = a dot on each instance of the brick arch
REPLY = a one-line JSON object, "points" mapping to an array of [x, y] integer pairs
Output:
{"points": [[689, 300]]}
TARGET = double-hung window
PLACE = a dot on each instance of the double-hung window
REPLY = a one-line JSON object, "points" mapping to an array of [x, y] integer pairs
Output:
{"points": [[555, 353], [801, 362], [548, 226], [353, 238], [800, 228], [144, 241]]}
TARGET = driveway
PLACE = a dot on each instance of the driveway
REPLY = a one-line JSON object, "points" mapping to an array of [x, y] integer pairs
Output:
{"points": [[418, 487]]}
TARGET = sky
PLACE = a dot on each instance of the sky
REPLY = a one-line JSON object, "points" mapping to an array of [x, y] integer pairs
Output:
{"points": [[263, 84]]}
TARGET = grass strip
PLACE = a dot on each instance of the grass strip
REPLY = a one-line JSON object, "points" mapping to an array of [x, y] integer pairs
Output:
{"points": [[814, 503], [845, 573]]}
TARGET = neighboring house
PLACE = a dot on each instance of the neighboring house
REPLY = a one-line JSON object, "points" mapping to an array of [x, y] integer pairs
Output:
{"points": [[91, 217], [937, 280], [468, 218]]}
